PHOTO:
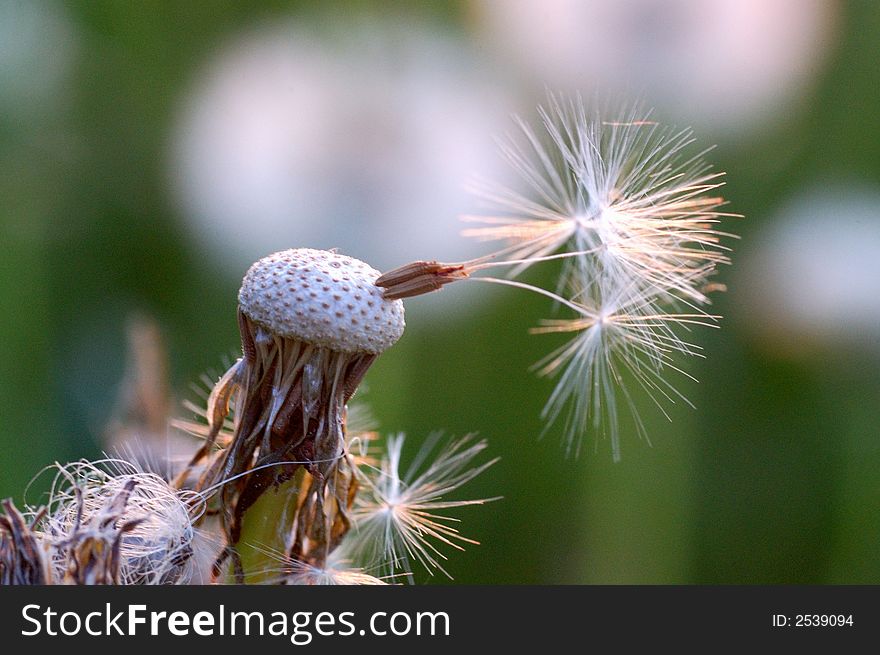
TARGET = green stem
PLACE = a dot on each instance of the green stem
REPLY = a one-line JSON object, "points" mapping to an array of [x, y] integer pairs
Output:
{"points": [[265, 532]]}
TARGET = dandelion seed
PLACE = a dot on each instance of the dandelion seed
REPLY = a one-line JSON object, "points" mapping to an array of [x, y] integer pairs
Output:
{"points": [[400, 517], [634, 220], [333, 573], [616, 334], [623, 194], [312, 323], [109, 522]]}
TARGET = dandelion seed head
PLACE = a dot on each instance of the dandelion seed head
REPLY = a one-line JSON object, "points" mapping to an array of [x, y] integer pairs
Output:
{"points": [[812, 280], [748, 66], [399, 517], [113, 501], [322, 298], [312, 322]]}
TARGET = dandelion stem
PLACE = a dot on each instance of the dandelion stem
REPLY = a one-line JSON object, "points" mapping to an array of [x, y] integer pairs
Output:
{"points": [[265, 529]]}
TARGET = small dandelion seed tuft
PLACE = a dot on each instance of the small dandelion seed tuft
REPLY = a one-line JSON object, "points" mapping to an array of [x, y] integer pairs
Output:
{"points": [[400, 518]]}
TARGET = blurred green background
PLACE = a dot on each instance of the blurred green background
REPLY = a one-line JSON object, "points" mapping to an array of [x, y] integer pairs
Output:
{"points": [[150, 150]]}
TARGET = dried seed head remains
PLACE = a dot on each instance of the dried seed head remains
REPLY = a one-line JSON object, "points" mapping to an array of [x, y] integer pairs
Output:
{"points": [[312, 322]]}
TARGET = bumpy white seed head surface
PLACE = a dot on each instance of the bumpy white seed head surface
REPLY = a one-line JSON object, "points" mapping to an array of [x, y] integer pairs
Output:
{"points": [[322, 298]]}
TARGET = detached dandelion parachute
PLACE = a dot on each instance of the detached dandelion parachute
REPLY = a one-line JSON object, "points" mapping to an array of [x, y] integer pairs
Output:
{"points": [[615, 333], [621, 191], [634, 216]]}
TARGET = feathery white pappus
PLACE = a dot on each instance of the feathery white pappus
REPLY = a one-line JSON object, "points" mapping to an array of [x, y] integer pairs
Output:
{"points": [[400, 518], [633, 215], [97, 508], [618, 191], [332, 574]]}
